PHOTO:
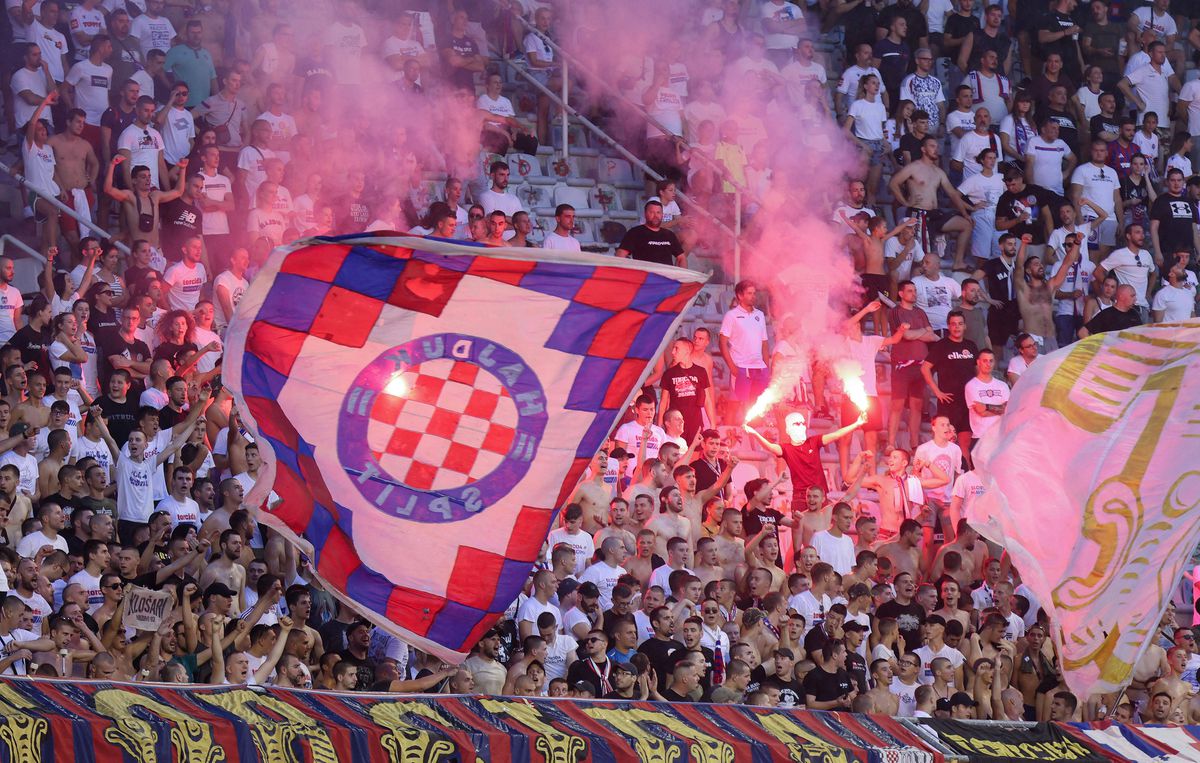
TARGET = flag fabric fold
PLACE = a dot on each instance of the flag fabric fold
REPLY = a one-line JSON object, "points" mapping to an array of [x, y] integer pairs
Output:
{"points": [[1091, 483], [426, 406]]}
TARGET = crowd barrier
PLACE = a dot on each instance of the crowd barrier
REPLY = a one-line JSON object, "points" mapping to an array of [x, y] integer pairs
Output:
{"points": [[47, 720]]}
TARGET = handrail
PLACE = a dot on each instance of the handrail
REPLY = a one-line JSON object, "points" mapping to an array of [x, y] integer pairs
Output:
{"points": [[589, 124], [85, 222], [639, 108], [8, 238]]}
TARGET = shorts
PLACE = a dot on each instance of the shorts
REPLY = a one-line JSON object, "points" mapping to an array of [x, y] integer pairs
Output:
{"points": [[956, 411], [875, 149], [873, 285], [929, 224], [850, 414], [749, 383], [907, 381], [82, 201]]}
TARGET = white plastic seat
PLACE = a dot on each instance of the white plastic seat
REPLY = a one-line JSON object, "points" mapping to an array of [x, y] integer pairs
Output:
{"points": [[527, 169], [576, 197], [618, 172]]}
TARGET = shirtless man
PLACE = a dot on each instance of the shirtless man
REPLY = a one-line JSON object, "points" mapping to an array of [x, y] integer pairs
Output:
{"points": [[1171, 683], [76, 169], [904, 552], [895, 490], [593, 495], [1152, 664], [140, 206], [16, 379], [867, 529], [227, 569], [972, 552], [693, 500], [1035, 296], [33, 410], [884, 701], [655, 477], [640, 564], [916, 187], [642, 509], [708, 565], [731, 546], [619, 525], [870, 263], [670, 522]]}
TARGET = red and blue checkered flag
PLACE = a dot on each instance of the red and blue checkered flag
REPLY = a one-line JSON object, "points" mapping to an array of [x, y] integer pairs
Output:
{"points": [[427, 406]]}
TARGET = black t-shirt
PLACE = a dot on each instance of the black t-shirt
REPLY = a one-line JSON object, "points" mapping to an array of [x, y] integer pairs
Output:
{"points": [[707, 474], [316, 75], [1176, 216], [1112, 319], [753, 520], [1131, 193], [671, 696], [121, 417], [856, 666], [1034, 198], [824, 686], [179, 221], [954, 365], [909, 618], [1068, 131], [366, 669], [959, 26], [1101, 123], [351, 214], [112, 343], [894, 58], [982, 41], [100, 321], [463, 46], [791, 693], [175, 353], [912, 144], [661, 246], [116, 120], [687, 387], [34, 346], [1066, 47], [997, 280], [662, 655], [134, 275], [917, 28], [169, 417]]}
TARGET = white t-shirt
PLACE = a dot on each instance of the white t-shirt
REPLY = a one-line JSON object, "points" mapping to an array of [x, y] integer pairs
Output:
{"points": [[869, 117], [968, 488], [253, 160], [781, 12], [864, 351], [152, 34], [27, 465], [667, 110], [1177, 303], [605, 578], [186, 510], [91, 588], [53, 45], [1151, 85], [927, 656], [34, 82], [907, 695], [838, 552], [348, 42], [1098, 184], [948, 458], [92, 84], [144, 144], [580, 541], [20, 31], [38, 604], [1147, 144], [89, 22], [10, 301], [935, 15], [208, 361], [1190, 94], [507, 203], [531, 609], [848, 84], [980, 188], [924, 91], [96, 449], [959, 120], [216, 188], [937, 298], [812, 608], [968, 150], [283, 129], [1163, 26], [236, 288], [135, 493], [1079, 277], [553, 240], [1047, 161], [892, 248], [30, 544], [1131, 268], [630, 433], [178, 131], [39, 164], [186, 283], [746, 332], [994, 392], [989, 92], [501, 106]]}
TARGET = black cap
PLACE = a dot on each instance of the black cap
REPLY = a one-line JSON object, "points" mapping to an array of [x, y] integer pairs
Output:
{"points": [[567, 587], [851, 625], [943, 705], [625, 666], [219, 589], [961, 698]]}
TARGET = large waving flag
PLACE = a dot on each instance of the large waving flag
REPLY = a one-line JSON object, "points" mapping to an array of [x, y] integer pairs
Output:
{"points": [[428, 405], [1091, 482]]}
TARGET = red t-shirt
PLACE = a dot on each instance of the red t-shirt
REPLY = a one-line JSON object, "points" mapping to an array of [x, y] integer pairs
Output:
{"points": [[804, 465]]}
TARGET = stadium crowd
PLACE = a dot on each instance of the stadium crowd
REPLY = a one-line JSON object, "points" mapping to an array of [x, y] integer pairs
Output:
{"points": [[1053, 143]]}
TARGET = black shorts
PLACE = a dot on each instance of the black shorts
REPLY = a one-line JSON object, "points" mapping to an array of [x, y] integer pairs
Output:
{"points": [[850, 413], [929, 224], [956, 411], [907, 381], [874, 285]]}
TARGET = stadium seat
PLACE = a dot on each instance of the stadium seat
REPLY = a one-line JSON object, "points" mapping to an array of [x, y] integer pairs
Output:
{"points": [[576, 197], [617, 172], [609, 199], [527, 169]]}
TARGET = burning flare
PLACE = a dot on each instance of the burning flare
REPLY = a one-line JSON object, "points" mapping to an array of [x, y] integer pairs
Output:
{"points": [[770, 396], [851, 374]]}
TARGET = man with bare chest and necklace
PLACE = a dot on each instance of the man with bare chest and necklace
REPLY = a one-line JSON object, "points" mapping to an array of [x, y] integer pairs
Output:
{"points": [[1035, 294], [916, 187]]}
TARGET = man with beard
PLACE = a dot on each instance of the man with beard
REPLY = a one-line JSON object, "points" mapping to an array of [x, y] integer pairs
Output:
{"points": [[1035, 294]]}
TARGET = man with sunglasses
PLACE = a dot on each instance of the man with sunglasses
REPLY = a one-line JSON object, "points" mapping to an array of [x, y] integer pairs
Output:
{"points": [[594, 667], [1132, 265], [176, 124]]}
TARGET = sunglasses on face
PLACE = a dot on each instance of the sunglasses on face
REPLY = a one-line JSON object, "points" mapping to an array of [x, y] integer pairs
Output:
{"points": [[112, 586], [712, 611]]}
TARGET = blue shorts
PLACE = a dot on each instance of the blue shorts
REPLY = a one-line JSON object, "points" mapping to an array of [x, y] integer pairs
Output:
{"points": [[749, 383]]}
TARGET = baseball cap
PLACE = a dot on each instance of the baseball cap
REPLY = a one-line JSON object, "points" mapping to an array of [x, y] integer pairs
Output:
{"points": [[961, 698], [943, 705], [854, 626], [626, 667], [567, 587], [858, 590], [219, 589]]}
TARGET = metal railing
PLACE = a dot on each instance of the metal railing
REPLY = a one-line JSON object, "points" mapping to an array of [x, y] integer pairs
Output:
{"points": [[567, 60], [84, 222], [8, 238]]}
